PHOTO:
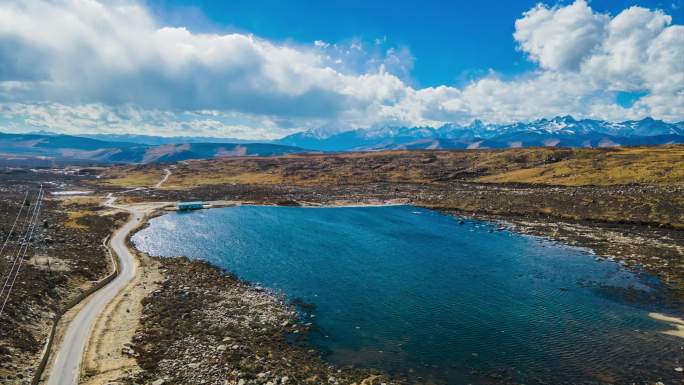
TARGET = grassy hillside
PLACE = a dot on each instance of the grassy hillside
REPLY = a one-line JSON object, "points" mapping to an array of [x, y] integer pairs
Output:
{"points": [[549, 166], [659, 165], [134, 176]]}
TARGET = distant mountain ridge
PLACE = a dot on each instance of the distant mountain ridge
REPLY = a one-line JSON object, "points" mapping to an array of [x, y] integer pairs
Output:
{"points": [[562, 131], [67, 147], [152, 140]]}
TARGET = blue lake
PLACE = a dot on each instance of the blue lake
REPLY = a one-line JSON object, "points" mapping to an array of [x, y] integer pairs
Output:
{"points": [[418, 294]]}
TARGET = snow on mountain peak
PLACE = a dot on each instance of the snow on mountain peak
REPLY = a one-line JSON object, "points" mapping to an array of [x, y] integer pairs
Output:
{"points": [[560, 126]]}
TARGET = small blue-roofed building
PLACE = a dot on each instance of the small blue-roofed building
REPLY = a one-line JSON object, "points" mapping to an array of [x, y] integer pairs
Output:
{"points": [[195, 205]]}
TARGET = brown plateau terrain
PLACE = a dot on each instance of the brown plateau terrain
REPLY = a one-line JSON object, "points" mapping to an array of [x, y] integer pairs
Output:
{"points": [[626, 203]]}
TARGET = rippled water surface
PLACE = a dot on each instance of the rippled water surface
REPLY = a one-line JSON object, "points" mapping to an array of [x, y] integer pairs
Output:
{"points": [[416, 293]]}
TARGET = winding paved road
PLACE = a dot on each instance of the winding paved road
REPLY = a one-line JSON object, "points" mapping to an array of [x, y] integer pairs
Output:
{"points": [[65, 369]]}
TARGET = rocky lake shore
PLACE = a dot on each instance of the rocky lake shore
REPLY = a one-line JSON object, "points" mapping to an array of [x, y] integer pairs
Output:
{"points": [[205, 326]]}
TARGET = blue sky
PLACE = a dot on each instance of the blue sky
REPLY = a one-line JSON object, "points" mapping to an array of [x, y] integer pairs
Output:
{"points": [[265, 69]]}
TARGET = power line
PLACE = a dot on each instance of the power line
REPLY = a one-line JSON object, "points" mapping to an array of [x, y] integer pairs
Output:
{"points": [[9, 235], [25, 246], [10, 264], [16, 274], [22, 235]]}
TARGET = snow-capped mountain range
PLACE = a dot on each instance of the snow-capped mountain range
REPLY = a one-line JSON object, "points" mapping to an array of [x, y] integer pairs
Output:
{"points": [[560, 131]]}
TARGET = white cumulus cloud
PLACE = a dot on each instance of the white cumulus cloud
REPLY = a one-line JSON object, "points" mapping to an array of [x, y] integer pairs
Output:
{"points": [[636, 50], [560, 38]]}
